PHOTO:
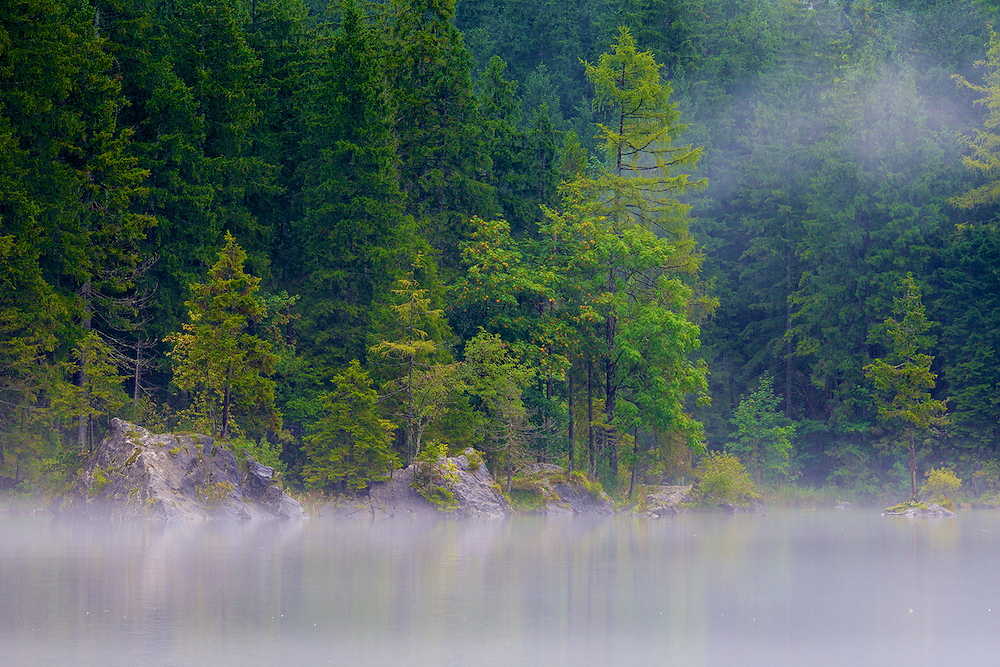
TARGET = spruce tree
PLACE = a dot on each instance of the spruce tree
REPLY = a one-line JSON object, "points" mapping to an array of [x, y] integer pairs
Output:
{"points": [[903, 379], [222, 355], [444, 166], [349, 446], [353, 233]]}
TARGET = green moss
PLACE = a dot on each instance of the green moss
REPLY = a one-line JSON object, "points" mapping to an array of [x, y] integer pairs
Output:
{"points": [[132, 457], [213, 494], [99, 481], [175, 451], [902, 507], [526, 500]]}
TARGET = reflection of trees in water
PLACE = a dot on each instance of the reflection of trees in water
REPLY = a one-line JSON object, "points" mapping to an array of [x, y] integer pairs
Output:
{"points": [[693, 589]]}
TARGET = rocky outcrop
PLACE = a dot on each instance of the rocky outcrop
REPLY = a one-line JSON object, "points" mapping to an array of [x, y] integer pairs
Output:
{"points": [[473, 492], [918, 509], [135, 474], [667, 500], [558, 493]]}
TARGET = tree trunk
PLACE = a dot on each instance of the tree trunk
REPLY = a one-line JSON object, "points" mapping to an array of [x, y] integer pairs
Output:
{"points": [[224, 433], [571, 426], [87, 324], [591, 450], [913, 468], [635, 463]]}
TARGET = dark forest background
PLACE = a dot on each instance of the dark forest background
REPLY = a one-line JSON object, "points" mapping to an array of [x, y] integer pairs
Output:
{"points": [[390, 183]]}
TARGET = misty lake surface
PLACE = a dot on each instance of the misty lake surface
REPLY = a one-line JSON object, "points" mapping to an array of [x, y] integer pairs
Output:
{"points": [[792, 588]]}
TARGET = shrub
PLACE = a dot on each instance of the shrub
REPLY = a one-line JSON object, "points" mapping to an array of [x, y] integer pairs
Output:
{"points": [[941, 486], [723, 479], [474, 458]]}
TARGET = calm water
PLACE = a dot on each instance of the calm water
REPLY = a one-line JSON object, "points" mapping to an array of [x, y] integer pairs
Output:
{"points": [[787, 589]]}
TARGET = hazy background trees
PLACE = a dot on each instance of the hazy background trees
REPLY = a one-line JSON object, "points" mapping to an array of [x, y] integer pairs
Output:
{"points": [[468, 148]]}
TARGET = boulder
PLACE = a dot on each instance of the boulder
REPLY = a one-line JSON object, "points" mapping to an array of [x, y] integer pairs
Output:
{"points": [[844, 506], [466, 477], [135, 474], [666, 500], [918, 510], [559, 493]]}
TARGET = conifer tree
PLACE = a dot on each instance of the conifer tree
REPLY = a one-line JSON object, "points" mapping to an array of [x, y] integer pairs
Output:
{"points": [[903, 378], [350, 446], [414, 347], [641, 304], [443, 163], [222, 355], [353, 230]]}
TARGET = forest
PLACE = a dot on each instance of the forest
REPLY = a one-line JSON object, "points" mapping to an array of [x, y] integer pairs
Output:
{"points": [[613, 235]]}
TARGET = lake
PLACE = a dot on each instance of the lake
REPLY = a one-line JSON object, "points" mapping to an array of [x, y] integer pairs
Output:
{"points": [[792, 588]]}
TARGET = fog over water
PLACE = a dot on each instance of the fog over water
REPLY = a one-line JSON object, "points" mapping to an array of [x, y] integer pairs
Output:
{"points": [[789, 588]]}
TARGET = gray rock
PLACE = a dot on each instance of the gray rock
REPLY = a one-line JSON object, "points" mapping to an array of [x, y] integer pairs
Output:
{"points": [[135, 474], [920, 510], [665, 500], [574, 498], [475, 491], [844, 506], [562, 494]]}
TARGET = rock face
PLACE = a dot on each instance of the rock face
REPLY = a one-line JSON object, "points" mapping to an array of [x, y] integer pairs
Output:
{"points": [[474, 490], [134, 474], [918, 510]]}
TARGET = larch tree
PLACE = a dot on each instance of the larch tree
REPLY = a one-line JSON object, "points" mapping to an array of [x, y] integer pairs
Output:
{"points": [[984, 145], [412, 345], [638, 298]]}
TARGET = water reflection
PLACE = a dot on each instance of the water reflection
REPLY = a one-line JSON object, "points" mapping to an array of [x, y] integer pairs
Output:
{"points": [[786, 589]]}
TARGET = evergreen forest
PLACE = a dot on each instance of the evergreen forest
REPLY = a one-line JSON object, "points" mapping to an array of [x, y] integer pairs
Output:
{"points": [[612, 235]]}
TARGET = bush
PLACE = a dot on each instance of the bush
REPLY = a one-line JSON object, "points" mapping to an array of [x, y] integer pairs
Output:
{"points": [[723, 479], [941, 486]]}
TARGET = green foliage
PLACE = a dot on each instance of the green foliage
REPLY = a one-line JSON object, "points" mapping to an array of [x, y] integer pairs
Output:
{"points": [[722, 479], [434, 476], [903, 378], [475, 459], [941, 486], [213, 493], [423, 384], [99, 480], [349, 446], [763, 435], [262, 451], [638, 183], [495, 377], [223, 355], [352, 232], [983, 145]]}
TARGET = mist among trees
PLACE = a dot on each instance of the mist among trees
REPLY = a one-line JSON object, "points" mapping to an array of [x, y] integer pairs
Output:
{"points": [[612, 235]]}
